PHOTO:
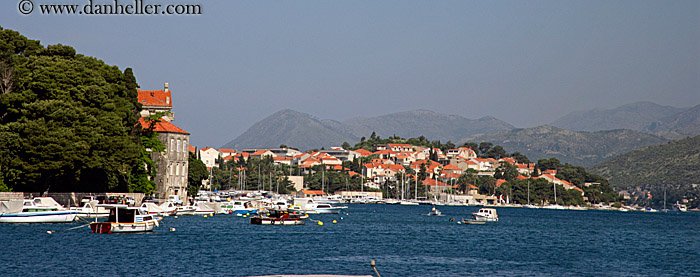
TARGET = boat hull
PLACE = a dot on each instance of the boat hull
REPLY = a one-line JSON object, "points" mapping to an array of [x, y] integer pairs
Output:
{"points": [[39, 217], [112, 227], [276, 221]]}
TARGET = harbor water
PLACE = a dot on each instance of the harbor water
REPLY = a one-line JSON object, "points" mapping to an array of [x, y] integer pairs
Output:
{"points": [[403, 241]]}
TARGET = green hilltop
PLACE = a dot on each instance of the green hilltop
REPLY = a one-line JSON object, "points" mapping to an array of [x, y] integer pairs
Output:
{"points": [[671, 163]]}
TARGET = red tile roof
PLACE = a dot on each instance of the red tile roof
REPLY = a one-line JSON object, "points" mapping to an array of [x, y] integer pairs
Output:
{"points": [[313, 192], [163, 127], [222, 150], [155, 98], [451, 167], [363, 152], [192, 148], [431, 182]]}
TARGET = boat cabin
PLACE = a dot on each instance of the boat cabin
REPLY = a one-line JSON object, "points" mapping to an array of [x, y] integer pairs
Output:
{"points": [[126, 214]]}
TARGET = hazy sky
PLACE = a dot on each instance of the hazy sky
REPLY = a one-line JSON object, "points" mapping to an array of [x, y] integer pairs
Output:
{"points": [[524, 62]]}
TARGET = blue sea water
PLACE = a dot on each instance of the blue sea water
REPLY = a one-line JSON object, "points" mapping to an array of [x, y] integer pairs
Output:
{"points": [[401, 239]]}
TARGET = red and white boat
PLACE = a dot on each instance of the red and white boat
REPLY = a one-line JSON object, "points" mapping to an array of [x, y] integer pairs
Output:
{"points": [[275, 217]]}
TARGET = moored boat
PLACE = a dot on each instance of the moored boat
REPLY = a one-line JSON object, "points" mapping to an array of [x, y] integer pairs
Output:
{"points": [[37, 210], [275, 217], [485, 214], [124, 219], [435, 211], [91, 210]]}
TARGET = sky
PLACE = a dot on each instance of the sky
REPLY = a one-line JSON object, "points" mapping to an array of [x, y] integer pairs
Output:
{"points": [[524, 62]]}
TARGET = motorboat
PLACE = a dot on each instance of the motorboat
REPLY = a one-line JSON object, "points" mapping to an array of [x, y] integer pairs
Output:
{"points": [[91, 210], [37, 210], [185, 210], [435, 211], [125, 219], [680, 207], [276, 217], [408, 203], [322, 208], [485, 214], [238, 207]]}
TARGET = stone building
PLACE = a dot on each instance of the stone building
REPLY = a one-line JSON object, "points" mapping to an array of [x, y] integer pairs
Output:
{"points": [[171, 174]]}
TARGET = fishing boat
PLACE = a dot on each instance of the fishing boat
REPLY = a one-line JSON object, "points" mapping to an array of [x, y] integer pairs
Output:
{"points": [[91, 210], [435, 211], [37, 210], [276, 217], [125, 219], [485, 214]]}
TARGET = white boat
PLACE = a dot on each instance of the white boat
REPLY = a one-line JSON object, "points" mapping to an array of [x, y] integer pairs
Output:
{"points": [[153, 209], [37, 210], [680, 207], [203, 208], [322, 208], [485, 214], [185, 210], [238, 207], [331, 199], [125, 219], [435, 211], [409, 203], [530, 206], [91, 210]]}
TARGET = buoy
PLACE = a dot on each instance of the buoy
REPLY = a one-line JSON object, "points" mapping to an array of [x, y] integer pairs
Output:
{"points": [[175, 216], [49, 232], [211, 214], [335, 221], [245, 216], [341, 217], [205, 215], [172, 229], [268, 214], [320, 223]]}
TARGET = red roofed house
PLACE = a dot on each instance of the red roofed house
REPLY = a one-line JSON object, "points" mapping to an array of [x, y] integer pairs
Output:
{"points": [[437, 186], [399, 147], [171, 174], [311, 193], [154, 101], [363, 152], [260, 154], [227, 152], [208, 156]]}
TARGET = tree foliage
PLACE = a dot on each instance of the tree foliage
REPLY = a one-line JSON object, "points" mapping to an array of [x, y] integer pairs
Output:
{"points": [[67, 122]]}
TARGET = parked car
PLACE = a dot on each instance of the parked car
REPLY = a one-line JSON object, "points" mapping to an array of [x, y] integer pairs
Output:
{"points": [[175, 199], [87, 199], [102, 199], [149, 199], [130, 201], [114, 200]]}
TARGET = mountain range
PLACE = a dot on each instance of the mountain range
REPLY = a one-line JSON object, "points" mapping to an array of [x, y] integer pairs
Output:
{"points": [[577, 148], [305, 131], [581, 138], [671, 163]]}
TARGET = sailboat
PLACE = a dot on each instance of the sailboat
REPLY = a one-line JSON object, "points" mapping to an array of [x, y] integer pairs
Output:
{"points": [[528, 197], [554, 206]]}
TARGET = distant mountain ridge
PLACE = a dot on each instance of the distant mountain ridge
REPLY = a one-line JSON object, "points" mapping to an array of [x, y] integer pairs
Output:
{"points": [[578, 148], [294, 129], [672, 163], [304, 131], [636, 116], [685, 123]]}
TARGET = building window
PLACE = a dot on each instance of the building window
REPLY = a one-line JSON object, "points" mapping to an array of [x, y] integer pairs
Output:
{"points": [[184, 146], [177, 169], [172, 145], [178, 145]]}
